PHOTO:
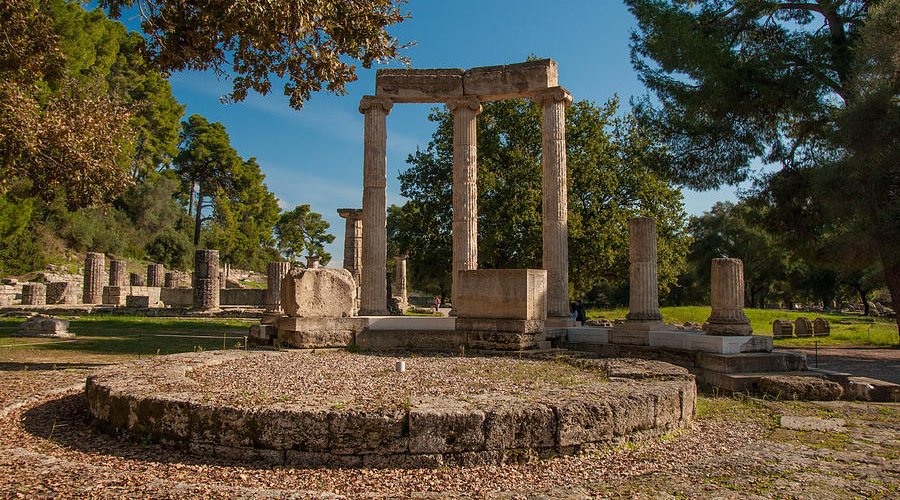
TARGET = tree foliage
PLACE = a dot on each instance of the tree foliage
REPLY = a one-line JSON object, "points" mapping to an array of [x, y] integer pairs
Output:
{"points": [[309, 43], [610, 179], [302, 230]]}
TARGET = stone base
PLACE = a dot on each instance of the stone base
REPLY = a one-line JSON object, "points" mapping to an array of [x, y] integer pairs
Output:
{"points": [[712, 327], [262, 335], [316, 333], [635, 332], [562, 322], [115, 295], [501, 334], [45, 327]]}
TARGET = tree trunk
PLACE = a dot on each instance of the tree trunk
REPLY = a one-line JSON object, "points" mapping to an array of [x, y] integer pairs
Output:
{"points": [[892, 278], [191, 201], [862, 295], [198, 216]]}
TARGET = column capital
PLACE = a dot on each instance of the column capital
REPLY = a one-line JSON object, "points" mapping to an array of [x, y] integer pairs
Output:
{"points": [[554, 94], [350, 213], [472, 103], [375, 102]]}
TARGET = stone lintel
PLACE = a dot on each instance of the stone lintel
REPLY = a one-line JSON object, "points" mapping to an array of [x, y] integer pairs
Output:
{"points": [[487, 83]]}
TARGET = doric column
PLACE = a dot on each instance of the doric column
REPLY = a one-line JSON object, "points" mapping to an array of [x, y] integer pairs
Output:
{"points": [[465, 186], [352, 241], [118, 273], [727, 299], [93, 278], [156, 275], [206, 279], [400, 279], [374, 244], [643, 293], [554, 191], [275, 272]]}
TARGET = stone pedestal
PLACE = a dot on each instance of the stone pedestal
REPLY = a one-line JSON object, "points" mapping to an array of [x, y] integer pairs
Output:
{"points": [[206, 279], [118, 273], [374, 251], [555, 219], [275, 273], [727, 299], [156, 275], [465, 188], [34, 294], [643, 293], [94, 263], [115, 295]]}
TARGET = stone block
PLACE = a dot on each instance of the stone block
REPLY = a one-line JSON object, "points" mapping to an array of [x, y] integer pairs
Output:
{"points": [[803, 388], [115, 295], [177, 297], [63, 292], [584, 422], [262, 334], [152, 292], [137, 301], [445, 430], [511, 80], [419, 85], [803, 327], [821, 327], [242, 297], [520, 426], [34, 294], [587, 335], [782, 329], [364, 432], [318, 293], [45, 326], [519, 294], [315, 333]]}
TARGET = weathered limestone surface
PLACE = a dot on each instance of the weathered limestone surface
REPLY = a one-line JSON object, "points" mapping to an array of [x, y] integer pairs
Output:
{"points": [[790, 388], [94, 263], [400, 291], [45, 326], [518, 294], [373, 300], [353, 236], [821, 327], [803, 327], [555, 222], [34, 294], [115, 295], [429, 432], [318, 293], [727, 299], [317, 332], [177, 297], [206, 280], [643, 293], [135, 279], [275, 272], [487, 82], [118, 273], [242, 297], [782, 328], [156, 275], [465, 189], [63, 292]]}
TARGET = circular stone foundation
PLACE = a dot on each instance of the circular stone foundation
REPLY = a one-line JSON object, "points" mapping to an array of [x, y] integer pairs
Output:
{"points": [[336, 408]]}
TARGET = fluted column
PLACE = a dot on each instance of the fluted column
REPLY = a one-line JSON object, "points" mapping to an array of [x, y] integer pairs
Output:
{"points": [[400, 289], [275, 272], [465, 186], [643, 293], [554, 191], [118, 273], [156, 275], [93, 278], [352, 241], [727, 299], [374, 245], [206, 279]]}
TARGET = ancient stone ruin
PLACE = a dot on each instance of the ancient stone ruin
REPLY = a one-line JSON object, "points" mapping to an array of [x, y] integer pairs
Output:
{"points": [[45, 327]]}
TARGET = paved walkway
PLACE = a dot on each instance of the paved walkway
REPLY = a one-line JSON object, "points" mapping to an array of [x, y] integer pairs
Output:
{"points": [[879, 363]]}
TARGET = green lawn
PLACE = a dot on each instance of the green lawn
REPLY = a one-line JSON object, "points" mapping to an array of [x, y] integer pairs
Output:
{"points": [[132, 335], [859, 331]]}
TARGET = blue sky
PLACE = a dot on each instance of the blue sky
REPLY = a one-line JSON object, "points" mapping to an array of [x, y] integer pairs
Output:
{"points": [[315, 155]]}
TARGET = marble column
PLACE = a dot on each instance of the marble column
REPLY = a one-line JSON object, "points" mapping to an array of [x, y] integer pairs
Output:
{"points": [[206, 279], [465, 187], [156, 275], [94, 263], [374, 244], [118, 274], [643, 293], [727, 299], [275, 272], [400, 289], [554, 193], [34, 294], [353, 235]]}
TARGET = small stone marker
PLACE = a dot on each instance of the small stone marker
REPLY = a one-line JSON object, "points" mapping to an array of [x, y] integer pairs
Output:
{"points": [[821, 327], [803, 327], [400, 366], [782, 329]]}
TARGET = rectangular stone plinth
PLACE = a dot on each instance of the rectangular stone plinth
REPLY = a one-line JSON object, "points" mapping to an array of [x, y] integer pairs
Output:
{"points": [[315, 333], [501, 334], [587, 335], [115, 295], [177, 297], [519, 294], [151, 292], [676, 339], [488, 83]]}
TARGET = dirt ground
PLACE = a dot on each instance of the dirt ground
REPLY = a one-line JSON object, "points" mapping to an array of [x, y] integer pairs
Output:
{"points": [[737, 448], [882, 364]]}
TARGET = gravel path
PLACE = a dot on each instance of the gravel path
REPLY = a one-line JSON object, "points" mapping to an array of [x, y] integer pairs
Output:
{"points": [[736, 449], [882, 364]]}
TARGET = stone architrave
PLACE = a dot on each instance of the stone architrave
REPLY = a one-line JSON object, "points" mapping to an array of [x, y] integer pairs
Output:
{"points": [[465, 187], [206, 280], [118, 273], [275, 272], [555, 218], [353, 235], [156, 275], [643, 293], [374, 249], [727, 299], [318, 293], [400, 290], [94, 263], [34, 294]]}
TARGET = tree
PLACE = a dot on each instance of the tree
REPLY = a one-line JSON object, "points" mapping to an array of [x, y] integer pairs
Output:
{"points": [[809, 86], [205, 164], [302, 230], [610, 179], [243, 219], [308, 43]]}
